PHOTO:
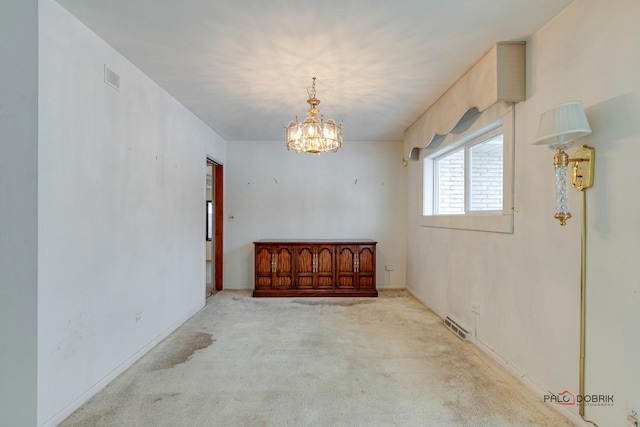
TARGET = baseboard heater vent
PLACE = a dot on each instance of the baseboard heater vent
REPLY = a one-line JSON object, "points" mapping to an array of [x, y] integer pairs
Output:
{"points": [[453, 326]]}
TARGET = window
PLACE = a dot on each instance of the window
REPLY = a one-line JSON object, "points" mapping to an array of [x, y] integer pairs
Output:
{"points": [[468, 174], [468, 178]]}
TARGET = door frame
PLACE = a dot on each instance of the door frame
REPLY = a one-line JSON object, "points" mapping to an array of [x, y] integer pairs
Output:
{"points": [[218, 173], [218, 223]]}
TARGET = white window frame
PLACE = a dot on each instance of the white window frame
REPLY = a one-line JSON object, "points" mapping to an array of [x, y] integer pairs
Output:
{"points": [[464, 145], [501, 221]]}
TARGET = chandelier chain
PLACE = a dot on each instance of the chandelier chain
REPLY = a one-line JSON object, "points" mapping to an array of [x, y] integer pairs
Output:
{"points": [[312, 90]]}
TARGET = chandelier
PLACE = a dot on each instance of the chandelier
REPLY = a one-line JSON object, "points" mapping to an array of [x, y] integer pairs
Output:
{"points": [[313, 135]]}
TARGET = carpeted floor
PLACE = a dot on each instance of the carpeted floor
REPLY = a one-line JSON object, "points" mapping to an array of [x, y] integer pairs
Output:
{"points": [[384, 361]]}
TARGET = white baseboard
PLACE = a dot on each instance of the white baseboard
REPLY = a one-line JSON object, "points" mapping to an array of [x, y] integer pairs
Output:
{"points": [[531, 384], [84, 397]]}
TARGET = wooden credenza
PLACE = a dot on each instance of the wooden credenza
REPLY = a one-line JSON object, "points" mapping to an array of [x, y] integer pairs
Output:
{"points": [[310, 268]]}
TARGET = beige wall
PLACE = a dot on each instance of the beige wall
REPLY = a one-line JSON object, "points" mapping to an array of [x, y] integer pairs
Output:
{"points": [[272, 193], [527, 283], [18, 211], [121, 187]]}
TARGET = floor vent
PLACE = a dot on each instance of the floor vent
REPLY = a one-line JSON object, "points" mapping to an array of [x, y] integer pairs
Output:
{"points": [[456, 329]]}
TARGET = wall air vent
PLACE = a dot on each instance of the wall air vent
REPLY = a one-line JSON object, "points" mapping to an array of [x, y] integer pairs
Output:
{"points": [[111, 78], [454, 327]]}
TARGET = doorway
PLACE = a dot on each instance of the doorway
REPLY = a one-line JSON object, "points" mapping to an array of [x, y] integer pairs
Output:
{"points": [[213, 220]]}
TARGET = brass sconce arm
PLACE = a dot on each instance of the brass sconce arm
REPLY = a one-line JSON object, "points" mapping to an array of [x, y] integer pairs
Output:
{"points": [[581, 177], [582, 170]]}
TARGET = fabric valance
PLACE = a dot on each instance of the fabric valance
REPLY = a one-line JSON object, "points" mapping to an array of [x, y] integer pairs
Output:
{"points": [[498, 76]]}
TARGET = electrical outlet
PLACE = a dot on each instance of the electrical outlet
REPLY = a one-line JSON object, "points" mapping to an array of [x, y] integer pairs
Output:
{"points": [[475, 307], [137, 318], [388, 267], [632, 418]]}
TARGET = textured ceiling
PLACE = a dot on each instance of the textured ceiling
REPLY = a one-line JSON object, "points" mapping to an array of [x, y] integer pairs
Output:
{"points": [[244, 66]]}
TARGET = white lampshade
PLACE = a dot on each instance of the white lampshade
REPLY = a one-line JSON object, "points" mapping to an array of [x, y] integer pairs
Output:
{"points": [[560, 125]]}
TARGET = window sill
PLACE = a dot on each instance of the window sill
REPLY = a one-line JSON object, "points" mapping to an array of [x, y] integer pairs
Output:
{"points": [[502, 223]]}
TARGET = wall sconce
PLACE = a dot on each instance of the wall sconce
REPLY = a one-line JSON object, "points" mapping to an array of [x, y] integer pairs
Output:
{"points": [[559, 126]]}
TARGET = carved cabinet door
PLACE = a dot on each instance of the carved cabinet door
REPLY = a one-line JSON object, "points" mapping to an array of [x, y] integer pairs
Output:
{"points": [[264, 266], [366, 267], [314, 267], [284, 267], [274, 267], [345, 266], [305, 266], [325, 267]]}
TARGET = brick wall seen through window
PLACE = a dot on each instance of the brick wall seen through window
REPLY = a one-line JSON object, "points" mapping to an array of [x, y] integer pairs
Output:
{"points": [[482, 172]]}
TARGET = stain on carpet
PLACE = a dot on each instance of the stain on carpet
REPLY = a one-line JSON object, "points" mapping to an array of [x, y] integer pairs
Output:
{"points": [[162, 396], [342, 303], [103, 417], [185, 349]]}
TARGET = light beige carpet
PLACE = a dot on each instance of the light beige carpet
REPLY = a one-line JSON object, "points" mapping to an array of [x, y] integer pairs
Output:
{"points": [[384, 361]]}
